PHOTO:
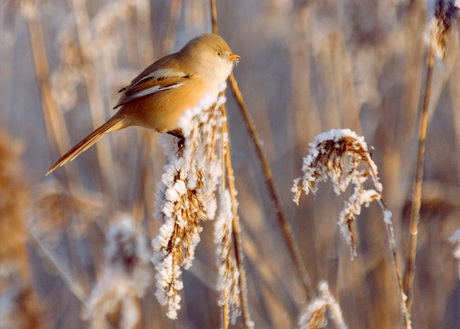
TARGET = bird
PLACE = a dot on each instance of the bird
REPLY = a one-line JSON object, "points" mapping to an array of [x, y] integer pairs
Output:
{"points": [[161, 93]]}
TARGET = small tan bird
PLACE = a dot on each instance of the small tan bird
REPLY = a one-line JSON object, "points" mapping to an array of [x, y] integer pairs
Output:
{"points": [[159, 96]]}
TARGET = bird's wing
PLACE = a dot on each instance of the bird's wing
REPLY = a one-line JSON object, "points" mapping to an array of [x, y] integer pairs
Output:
{"points": [[153, 80]]}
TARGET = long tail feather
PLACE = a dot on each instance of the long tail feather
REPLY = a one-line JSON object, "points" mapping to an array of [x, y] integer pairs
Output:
{"points": [[113, 124]]}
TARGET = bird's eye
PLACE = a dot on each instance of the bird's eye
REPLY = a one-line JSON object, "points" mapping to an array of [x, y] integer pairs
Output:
{"points": [[219, 53]]}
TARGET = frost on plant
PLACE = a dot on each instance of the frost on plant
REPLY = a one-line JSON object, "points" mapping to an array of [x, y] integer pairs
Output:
{"points": [[337, 155], [228, 270], [124, 279], [343, 157], [186, 195], [315, 314]]}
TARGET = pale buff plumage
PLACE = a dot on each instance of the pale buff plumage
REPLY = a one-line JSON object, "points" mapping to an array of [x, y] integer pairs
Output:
{"points": [[160, 94]]}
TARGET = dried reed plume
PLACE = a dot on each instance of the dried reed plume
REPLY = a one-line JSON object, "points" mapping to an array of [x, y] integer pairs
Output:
{"points": [[59, 212], [445, 18], [115, 300], [314, 316], [337, 154], [56, 208], [19, 306], [68, 76], [192, 190]]}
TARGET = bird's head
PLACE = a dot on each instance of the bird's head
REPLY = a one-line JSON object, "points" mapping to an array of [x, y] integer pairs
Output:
{"points": [[211, 57]]}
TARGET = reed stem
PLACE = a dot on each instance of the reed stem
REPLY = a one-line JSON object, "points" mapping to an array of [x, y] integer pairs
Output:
{"points": [[236, 231], [417, 192], [282, 218]]}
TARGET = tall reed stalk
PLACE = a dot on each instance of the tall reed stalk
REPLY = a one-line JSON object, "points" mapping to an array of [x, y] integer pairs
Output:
{"points": [[237, 239], [417, 192], [54, 121], [283, 222], [96, 104]]}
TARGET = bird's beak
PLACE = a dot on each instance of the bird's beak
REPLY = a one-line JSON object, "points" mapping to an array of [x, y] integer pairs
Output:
{"points": [[233, 58]]}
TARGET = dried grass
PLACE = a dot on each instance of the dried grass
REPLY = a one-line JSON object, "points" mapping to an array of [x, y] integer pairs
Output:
{"points": [[319, 65], [20, 308], [446, 15], [115, 300], [314, 316]]}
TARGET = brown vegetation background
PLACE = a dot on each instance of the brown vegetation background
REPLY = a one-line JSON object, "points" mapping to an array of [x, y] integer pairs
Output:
{"points": [[306, 67]]}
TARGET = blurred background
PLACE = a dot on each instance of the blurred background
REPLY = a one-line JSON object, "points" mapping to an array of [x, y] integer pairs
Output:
{"points": [[76, 244]]}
